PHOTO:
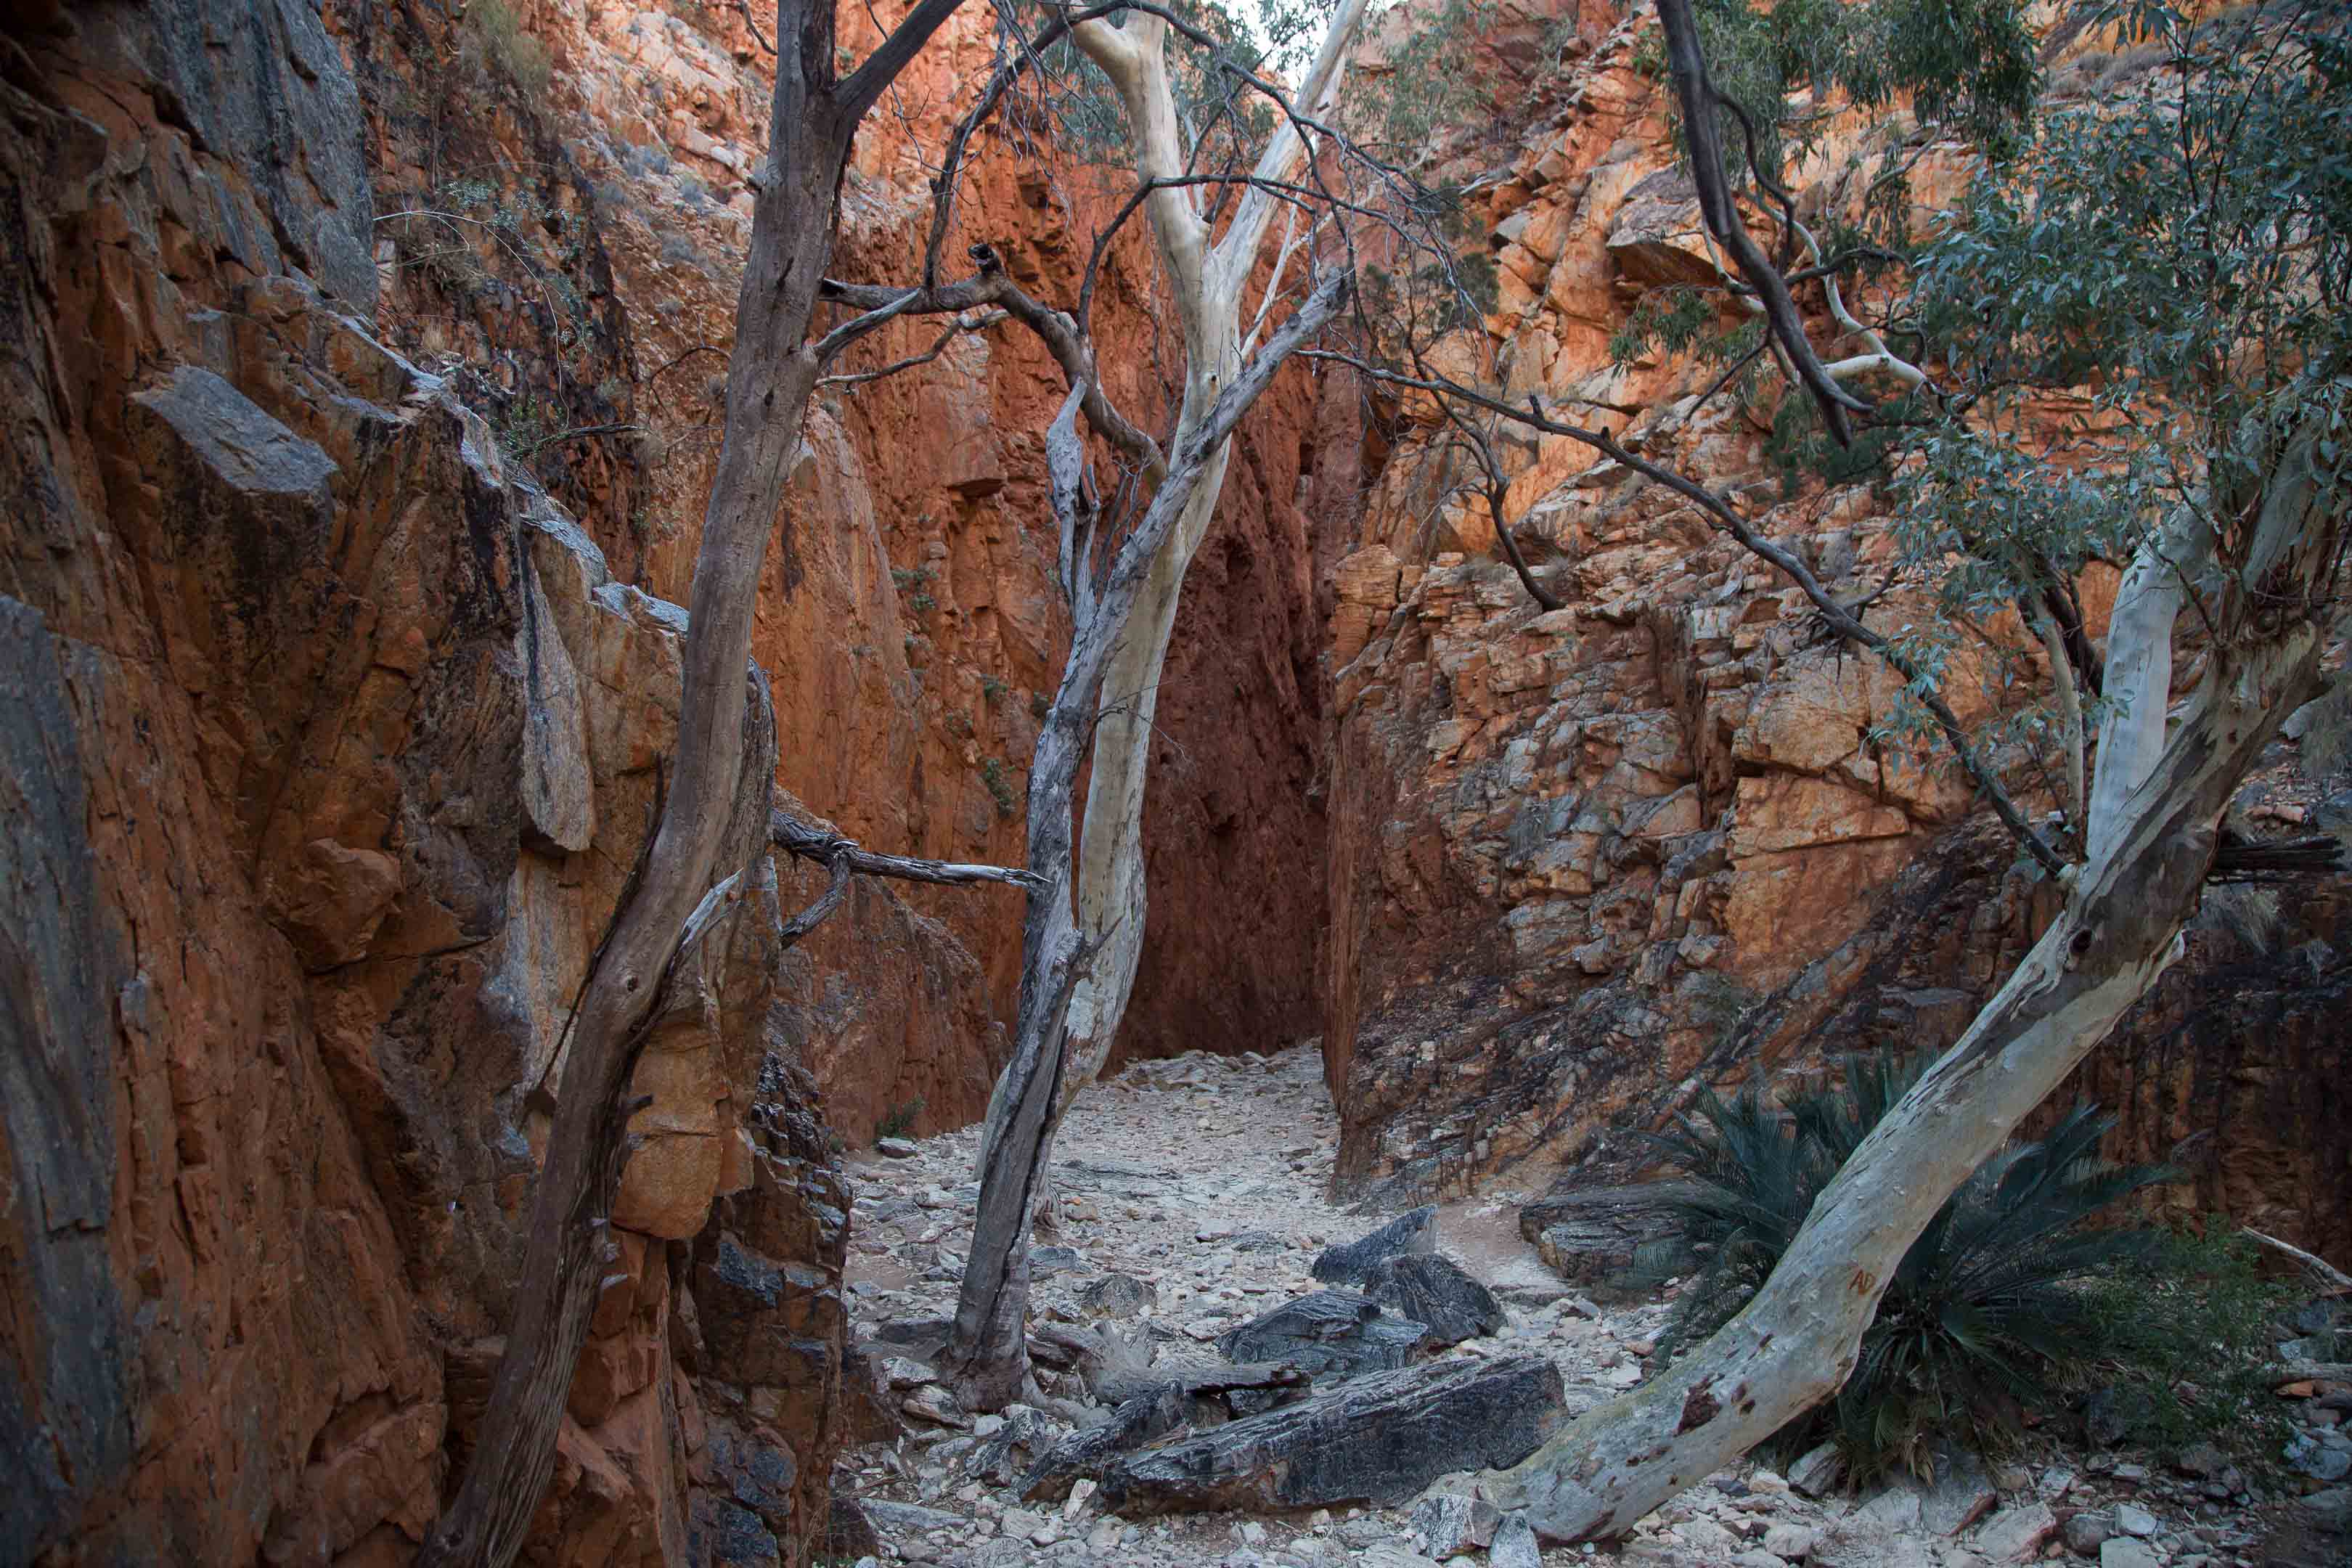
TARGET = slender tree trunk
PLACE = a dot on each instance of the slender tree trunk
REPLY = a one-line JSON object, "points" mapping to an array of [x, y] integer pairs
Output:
{"points": [[2154, 814], [1209, 287], [987, 1355], [770, 375]]}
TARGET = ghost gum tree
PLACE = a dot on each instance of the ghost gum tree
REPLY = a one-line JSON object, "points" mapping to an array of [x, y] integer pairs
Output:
{"points": [[1131, 512], [1219, 149], [2129, 345]]}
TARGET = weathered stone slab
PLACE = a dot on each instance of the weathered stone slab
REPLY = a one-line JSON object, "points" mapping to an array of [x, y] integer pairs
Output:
{"points": [[1434, 1292], [1380, 1438], [1585, 1236], [1347, 1263], [1330, 1335]]}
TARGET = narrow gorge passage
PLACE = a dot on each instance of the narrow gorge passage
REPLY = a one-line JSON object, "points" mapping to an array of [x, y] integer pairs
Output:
{"points": [[1191, 1197]]}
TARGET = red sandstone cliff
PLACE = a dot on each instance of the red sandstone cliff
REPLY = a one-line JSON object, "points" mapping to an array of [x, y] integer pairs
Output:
{"points": [[1581, 862]]}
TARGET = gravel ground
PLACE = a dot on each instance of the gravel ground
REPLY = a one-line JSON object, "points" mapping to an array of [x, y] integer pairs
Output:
{"points": [[1203, 1177]]}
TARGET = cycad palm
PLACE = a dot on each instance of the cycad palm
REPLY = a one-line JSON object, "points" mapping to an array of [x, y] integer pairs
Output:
{"points": [[1981, 1314]]}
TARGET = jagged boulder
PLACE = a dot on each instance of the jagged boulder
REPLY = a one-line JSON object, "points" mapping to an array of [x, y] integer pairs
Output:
{"points": [[1347, 1263], [1331, 1335], [1435, 1293]]}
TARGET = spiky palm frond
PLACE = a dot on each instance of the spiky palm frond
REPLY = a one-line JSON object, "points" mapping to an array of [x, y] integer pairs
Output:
{"points": [[1982, 1313]]}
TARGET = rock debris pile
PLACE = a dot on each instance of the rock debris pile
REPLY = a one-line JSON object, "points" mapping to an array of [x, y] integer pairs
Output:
{"points": [[1233, 1371]]}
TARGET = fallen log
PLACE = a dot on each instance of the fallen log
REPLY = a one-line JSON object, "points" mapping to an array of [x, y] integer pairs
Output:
{"points": [[1150, 1404], [1152, 1414], [1381, 1438], [2278, 1374], [1198, 1380]]}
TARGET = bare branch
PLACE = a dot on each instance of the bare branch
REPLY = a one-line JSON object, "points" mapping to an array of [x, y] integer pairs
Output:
{"points": [[806, 841], [954, 329], [854, 95], [836, 887], [2069, 704], [1721, 210], [2335, 1278], [1059, 334]]}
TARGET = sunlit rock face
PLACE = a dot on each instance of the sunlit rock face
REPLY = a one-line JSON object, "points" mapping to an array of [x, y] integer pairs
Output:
{"points": [[1581, 862]]}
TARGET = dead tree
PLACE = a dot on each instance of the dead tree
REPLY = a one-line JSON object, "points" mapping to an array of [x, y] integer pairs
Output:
{"points": [[771, 372]]}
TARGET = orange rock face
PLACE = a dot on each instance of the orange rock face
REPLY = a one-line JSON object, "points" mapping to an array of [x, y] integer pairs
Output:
{"points": [[908, 620], [1582, 861], [326, 745], [341, 737]]}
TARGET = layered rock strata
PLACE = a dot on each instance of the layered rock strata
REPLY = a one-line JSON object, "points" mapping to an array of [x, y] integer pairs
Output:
{"points": [[328, 740]]}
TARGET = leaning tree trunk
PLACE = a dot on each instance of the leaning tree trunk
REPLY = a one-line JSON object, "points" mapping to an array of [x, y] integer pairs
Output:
{"points": [[2155, 817], [987, 1355], [1209, 283], [770, 375]]}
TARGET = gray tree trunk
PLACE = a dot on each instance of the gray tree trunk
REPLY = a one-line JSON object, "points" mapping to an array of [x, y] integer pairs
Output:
{"points": [[770, 375], [2154, 812]]}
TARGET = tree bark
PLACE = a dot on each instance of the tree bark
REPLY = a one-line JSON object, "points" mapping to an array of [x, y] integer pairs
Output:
{"points": [[1208, 284], [770, 375], [2156, 831], [987, 1353]]}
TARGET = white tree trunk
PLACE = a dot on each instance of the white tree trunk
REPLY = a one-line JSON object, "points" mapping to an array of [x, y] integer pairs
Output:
{"points": [[1208, 283], [2153, 828]]}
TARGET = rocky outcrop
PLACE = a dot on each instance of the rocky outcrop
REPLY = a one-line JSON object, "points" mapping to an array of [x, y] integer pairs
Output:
{"points": [[1584, 861], [334, 739]]}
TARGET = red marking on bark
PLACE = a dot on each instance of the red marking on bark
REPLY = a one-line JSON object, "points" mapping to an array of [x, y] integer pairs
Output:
{"points": [[1699, 1407], [1863, 1282]]}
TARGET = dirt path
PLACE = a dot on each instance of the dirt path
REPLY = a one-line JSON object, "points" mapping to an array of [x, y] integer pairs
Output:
{"points": [[1203, 1177]]}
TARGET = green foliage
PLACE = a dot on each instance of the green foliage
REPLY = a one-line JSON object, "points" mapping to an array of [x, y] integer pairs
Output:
{"points": [[1433, 83], [493, 46], [899, 1121], [991, 691], [1982, 1314], [999, 787], [2328, 732], [2187, 255], [2140, 316], [1670, 320], [1800, 448], [2184, 1332], [524, 425], [1966, 66]]}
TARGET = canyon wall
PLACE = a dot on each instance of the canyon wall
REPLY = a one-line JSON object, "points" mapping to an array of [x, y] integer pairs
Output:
{"points": [[1584, 861], [596, 204], [361, 410], [360, 398]]}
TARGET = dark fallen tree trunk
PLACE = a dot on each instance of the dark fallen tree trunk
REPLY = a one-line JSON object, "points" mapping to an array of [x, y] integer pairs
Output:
{"points": [[1211, 1381], [1380, 1438], [1196, 1396]]}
